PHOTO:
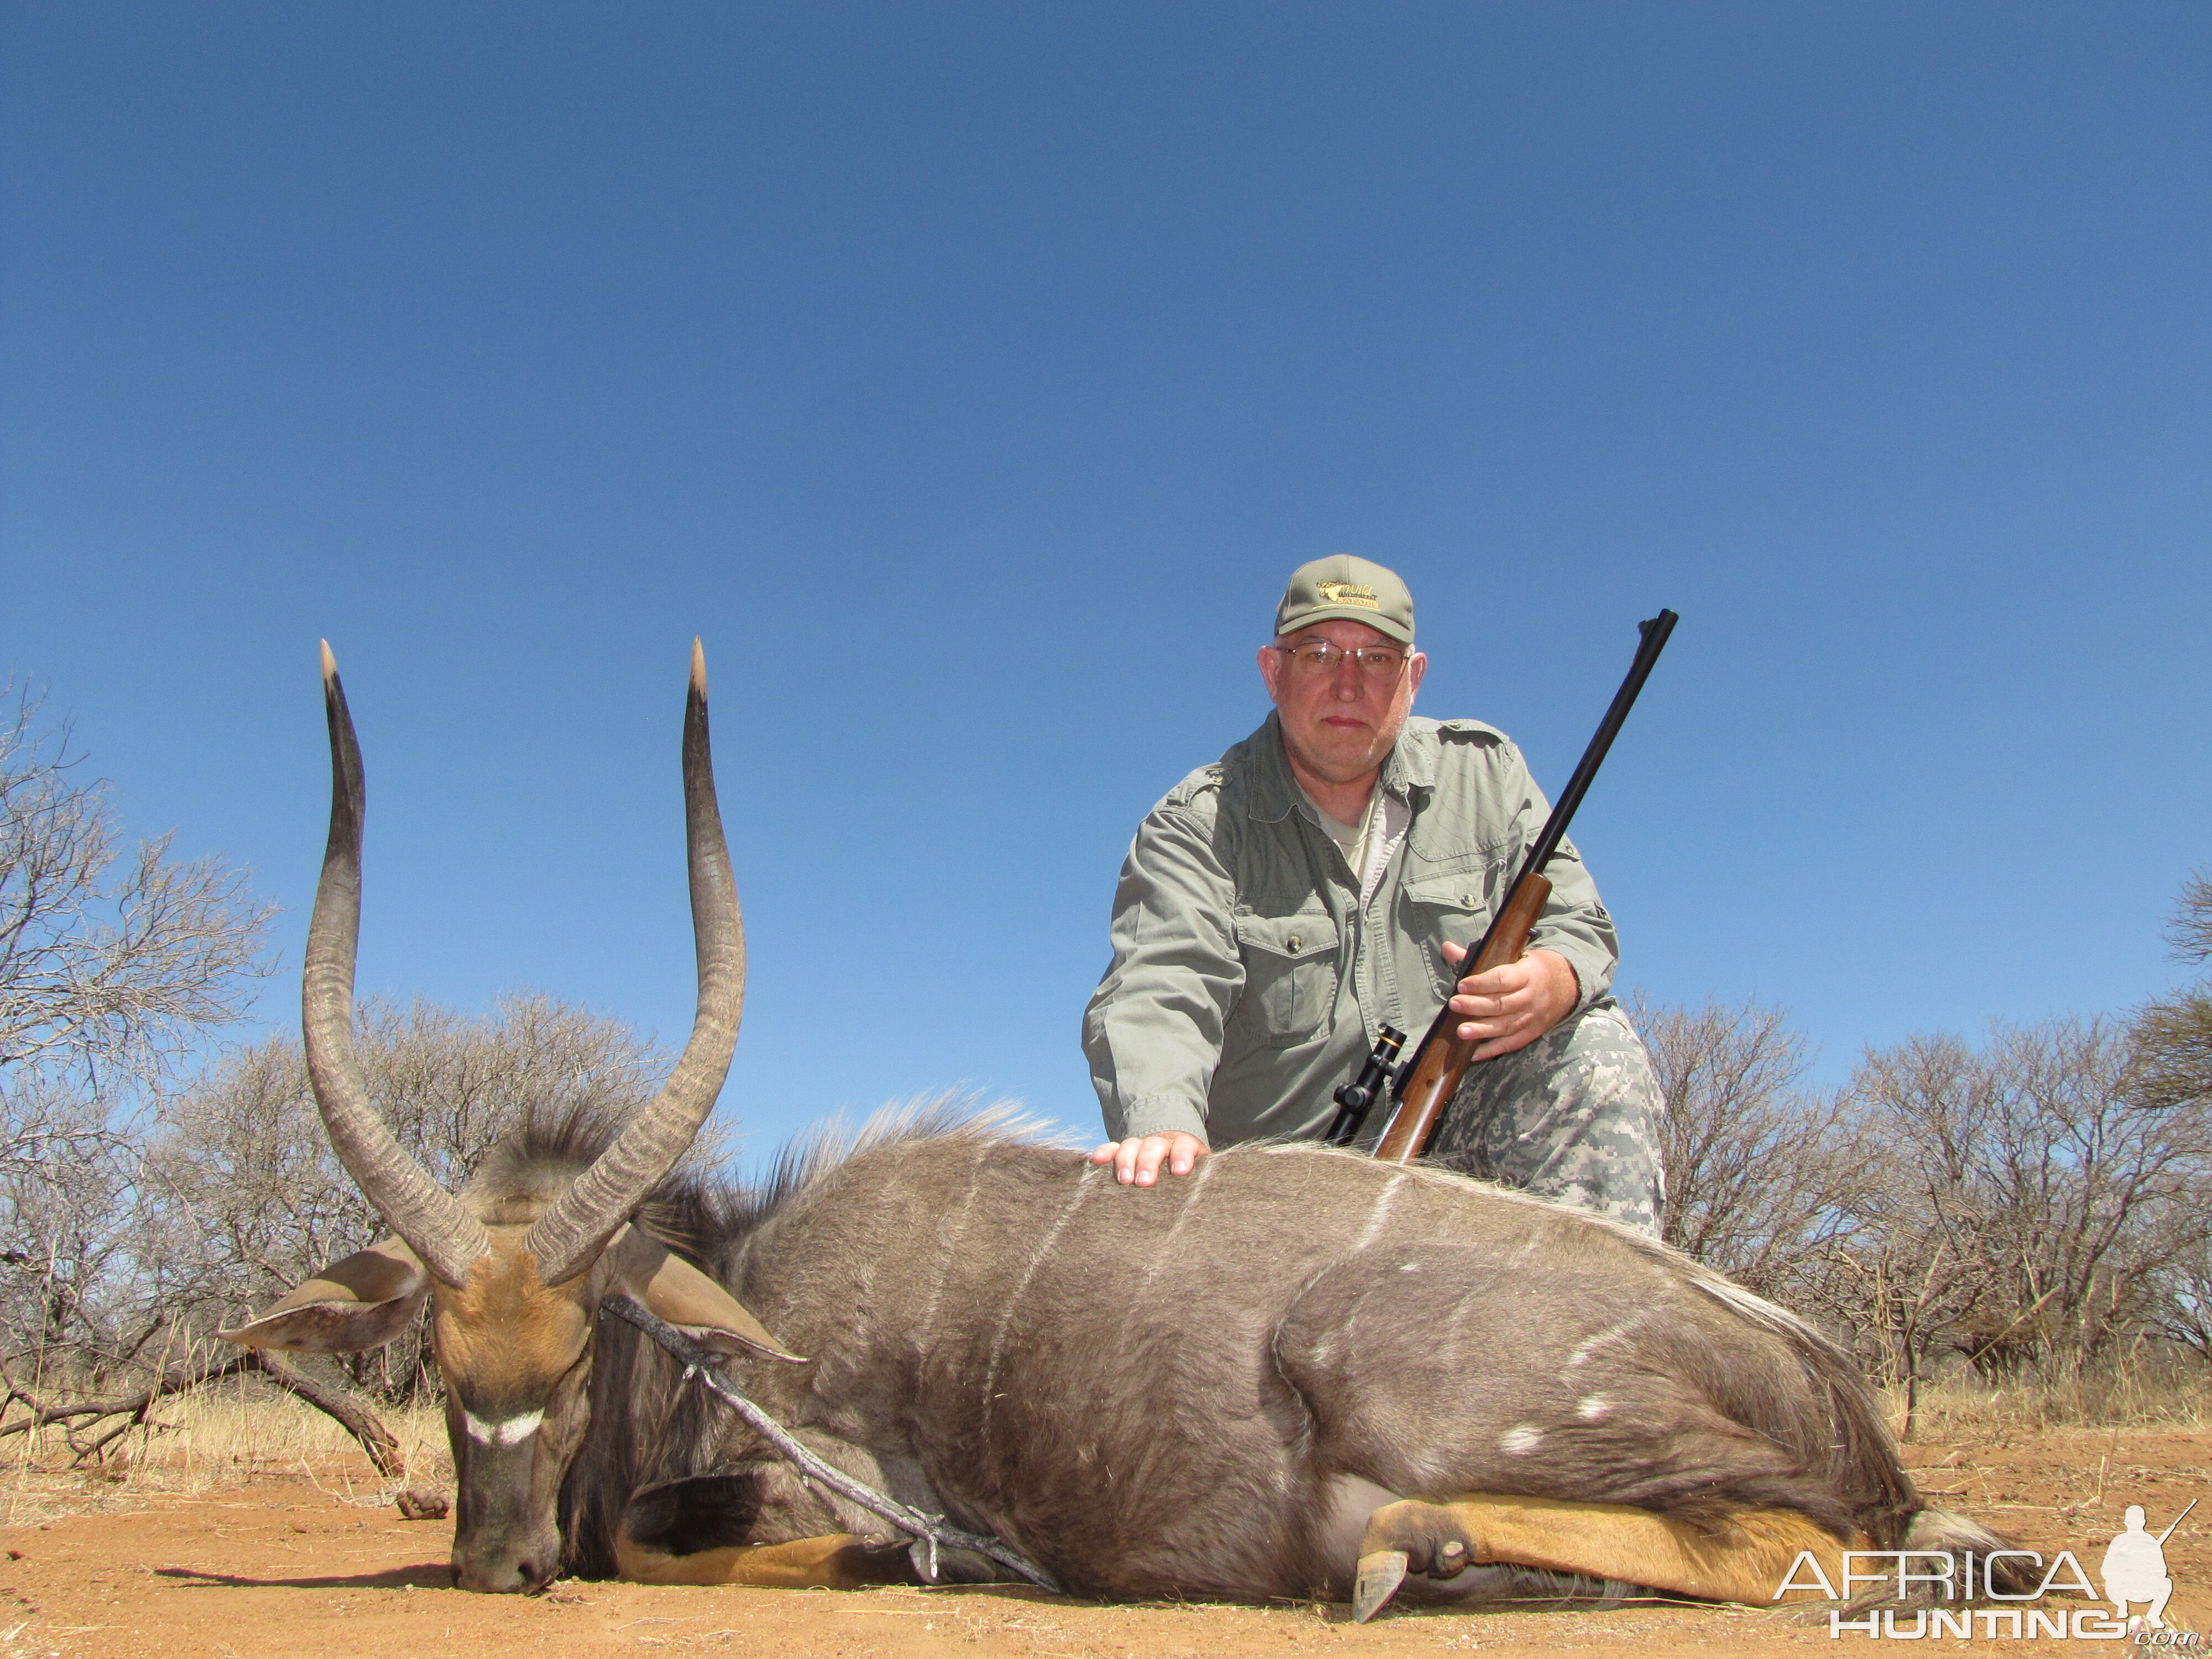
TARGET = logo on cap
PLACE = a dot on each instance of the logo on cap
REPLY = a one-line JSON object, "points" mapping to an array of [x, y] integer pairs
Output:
{"points": [[1357, 593]]}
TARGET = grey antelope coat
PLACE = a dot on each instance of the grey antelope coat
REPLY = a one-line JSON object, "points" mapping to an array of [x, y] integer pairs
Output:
{"points": [[1291, 1368], [1202, 1388]]}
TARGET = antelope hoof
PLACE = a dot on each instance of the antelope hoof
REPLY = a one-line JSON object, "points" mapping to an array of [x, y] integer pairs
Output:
{"points": [[1433, 1540], [1380, 1574]]}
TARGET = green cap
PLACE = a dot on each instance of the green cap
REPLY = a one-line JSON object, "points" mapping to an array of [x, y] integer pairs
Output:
{"points": [[1356, 590]]}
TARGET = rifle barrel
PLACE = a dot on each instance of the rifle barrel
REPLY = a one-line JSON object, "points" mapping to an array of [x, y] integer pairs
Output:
{"points": [[1655, 633]]}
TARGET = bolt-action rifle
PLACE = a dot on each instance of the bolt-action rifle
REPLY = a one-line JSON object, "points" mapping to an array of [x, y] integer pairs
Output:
{"points": [[1426, 1082]]}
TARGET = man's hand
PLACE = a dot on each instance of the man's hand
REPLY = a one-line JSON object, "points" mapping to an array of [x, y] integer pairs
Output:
{"points": [[1137, 1161], [1511, 1007]]}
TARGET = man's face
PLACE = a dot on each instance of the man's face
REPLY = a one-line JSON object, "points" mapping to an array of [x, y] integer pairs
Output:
{"points": [[1338, 722]]}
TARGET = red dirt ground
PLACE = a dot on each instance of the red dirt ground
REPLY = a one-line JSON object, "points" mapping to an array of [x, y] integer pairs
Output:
{"points": [[279, 1566]]}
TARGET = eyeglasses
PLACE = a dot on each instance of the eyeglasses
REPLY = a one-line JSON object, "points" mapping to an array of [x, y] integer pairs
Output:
{"points": [[1378, 662]]}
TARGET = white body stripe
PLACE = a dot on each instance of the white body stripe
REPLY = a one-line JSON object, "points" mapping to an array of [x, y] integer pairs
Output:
{"points": [[1381, 1208], [954, 1229], [1165, 1249], [1038, 1254], [1591, 1345]]}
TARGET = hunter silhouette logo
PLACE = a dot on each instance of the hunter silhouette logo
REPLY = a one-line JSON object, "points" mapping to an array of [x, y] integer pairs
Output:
{"points": [[2134, 1569], [1357, 593]]}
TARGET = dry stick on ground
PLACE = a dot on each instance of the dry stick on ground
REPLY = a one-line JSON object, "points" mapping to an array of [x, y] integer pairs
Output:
{"points": [[355, 1419]]}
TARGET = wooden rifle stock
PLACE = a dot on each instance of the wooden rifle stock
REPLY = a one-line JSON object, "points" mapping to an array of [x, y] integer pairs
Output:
{"points": [[1434, 1074]]}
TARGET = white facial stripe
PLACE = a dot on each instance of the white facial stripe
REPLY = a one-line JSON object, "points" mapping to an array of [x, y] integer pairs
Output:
{"points": [[513, 1431]]}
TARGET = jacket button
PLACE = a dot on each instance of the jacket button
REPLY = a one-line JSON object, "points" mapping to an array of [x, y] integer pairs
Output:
{"points": [[1294, 941]]}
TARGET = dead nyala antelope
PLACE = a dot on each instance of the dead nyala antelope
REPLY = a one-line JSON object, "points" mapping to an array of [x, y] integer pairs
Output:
{"points": [[1296, 1371]]}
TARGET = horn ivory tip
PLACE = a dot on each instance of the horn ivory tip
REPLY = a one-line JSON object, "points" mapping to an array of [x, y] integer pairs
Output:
{"points": [[698, 668], [330, 663]]}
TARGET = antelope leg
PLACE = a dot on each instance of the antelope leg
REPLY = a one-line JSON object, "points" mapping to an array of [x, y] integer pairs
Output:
{"points": [[1745, 1558], [838, 1560], [748, 1526]]}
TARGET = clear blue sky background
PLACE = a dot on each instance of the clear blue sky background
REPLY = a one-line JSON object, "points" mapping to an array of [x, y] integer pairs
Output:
{"points": [[971, 375]]}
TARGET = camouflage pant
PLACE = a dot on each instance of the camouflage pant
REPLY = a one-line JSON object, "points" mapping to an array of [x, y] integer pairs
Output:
{"points": [[1574, 1116]]}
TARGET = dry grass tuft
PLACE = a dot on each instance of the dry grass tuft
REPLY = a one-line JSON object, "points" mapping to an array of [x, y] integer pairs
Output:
{"points": [[2123, 1396]]}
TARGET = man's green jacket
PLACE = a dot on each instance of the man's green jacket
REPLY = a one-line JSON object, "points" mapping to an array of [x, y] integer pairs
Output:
{"points": [[1248, 981]]}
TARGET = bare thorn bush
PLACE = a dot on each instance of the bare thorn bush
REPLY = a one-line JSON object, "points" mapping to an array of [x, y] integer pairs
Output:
{"points": [[109, 960], [2035, 1210], [1763, 1173]]}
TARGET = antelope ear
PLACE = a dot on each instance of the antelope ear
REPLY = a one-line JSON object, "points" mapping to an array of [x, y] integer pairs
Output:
{"points": [[645, 1271], [363, 1301]]}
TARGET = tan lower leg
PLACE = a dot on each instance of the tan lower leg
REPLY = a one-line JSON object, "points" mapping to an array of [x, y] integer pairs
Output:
{"points": [[1745, 1559], [836, 1561]]}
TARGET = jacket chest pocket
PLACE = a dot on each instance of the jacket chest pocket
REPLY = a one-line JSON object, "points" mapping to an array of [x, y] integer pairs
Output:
{"points": [[1440, 907], [1289, 974]]}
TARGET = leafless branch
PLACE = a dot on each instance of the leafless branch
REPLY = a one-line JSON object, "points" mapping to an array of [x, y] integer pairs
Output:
{"points": [[77, 1415], [106, 959]]}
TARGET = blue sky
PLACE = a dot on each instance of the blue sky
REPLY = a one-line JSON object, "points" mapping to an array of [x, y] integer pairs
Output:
{"points": [[971, 376]]}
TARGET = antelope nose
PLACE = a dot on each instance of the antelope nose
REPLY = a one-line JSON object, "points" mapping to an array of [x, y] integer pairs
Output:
{"points": [[498, 1578]]}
